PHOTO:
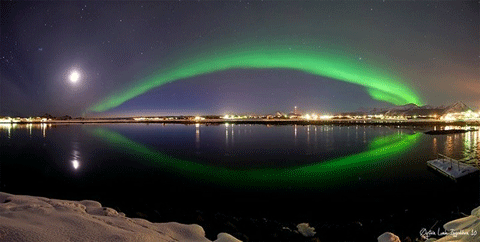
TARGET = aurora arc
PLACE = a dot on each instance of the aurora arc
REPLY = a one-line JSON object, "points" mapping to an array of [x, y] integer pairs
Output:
{"points": [[306, 176], [379, 84]]}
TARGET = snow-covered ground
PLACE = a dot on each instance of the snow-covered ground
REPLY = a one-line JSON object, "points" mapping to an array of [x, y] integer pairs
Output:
{"points": [[29, 218]]}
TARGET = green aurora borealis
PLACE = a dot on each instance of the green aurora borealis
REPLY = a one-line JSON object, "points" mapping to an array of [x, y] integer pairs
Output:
{"points": [[322, 174], [380, 84]]}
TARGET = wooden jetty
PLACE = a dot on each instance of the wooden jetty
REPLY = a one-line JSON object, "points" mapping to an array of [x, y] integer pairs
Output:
{"points": [[452, 168]]}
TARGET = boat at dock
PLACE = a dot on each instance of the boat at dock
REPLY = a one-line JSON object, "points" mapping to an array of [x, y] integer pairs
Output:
{"points": [[452, 168]]}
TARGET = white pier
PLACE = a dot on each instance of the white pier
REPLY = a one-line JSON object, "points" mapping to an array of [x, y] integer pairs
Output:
{"points": [[452, 168]]}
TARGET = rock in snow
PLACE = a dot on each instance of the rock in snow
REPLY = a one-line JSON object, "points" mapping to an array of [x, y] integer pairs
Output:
{"points": [[388, 237], [29, 218], [306, 230]]}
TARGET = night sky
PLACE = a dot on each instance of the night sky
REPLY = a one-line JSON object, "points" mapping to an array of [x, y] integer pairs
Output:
{"points": [[122, 50]]}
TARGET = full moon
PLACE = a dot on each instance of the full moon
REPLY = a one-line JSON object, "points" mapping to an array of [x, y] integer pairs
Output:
{"points": [[74, 76]]}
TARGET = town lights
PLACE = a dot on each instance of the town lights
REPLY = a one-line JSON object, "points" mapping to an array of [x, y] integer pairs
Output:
{"points": [[326, 117], [6, 120], [468, 115]]}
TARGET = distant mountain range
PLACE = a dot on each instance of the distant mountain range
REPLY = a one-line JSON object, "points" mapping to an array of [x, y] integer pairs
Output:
{"points": [[412, 110]]}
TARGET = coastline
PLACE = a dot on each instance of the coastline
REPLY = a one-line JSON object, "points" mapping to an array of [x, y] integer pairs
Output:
{"points": [[386, 122]]}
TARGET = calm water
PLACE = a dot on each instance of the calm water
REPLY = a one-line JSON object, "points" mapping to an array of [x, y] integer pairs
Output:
{"points": [[295, 172]]}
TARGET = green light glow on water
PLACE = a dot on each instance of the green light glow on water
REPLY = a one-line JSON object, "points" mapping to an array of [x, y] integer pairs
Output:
{"points": [[379, 84], [308, 176]]}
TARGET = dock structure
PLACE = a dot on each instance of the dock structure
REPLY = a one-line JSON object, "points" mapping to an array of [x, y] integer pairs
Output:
{"points": [[452, 168]]}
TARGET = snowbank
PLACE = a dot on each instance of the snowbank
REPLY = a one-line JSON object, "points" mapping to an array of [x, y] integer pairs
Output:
{"points": [[465, 229], [28, 218]]}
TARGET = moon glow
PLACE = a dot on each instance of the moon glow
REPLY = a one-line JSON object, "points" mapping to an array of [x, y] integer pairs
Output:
{"points": [[74, 76]]}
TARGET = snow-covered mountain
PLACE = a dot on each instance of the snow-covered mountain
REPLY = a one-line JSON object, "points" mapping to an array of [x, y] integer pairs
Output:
{"points": [[457, 108], [413, 110]]}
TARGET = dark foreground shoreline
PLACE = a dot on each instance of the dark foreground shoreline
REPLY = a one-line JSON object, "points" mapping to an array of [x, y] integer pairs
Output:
{"points": [[405, 223], [92, 221]]}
